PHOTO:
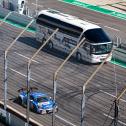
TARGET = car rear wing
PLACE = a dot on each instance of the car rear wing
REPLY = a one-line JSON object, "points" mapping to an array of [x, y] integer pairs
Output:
{"points": [[25, 89]]}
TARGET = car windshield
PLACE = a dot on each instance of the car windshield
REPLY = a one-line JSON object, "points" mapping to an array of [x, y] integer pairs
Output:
{"points": [[101, 48], [42, 99], [96, 35]]}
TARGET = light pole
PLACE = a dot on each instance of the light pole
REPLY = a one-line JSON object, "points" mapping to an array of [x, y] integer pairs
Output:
{"points": [[6, 64], [56, 73], [86, 83]]}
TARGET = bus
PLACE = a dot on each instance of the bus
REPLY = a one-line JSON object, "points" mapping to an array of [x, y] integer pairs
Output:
{"points": [[96, 46]]}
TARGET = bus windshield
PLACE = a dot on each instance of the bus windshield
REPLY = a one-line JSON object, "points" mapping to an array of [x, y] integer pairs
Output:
{"points": [[96, 35], [101, 48]]}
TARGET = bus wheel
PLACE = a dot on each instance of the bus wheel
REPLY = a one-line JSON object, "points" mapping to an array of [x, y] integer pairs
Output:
{"points": [[78, 56], [50, 45]]}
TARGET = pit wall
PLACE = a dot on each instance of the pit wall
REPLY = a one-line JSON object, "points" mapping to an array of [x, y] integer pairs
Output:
{"points": [[14, 117]]}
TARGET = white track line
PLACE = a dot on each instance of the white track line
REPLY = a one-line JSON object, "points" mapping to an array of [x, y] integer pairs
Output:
{"points": [[22, 74], [91, 21], [36, 81], [112, 95], [111, 28], [25, 57], [113, 118], [65, 120], [38, 5]]}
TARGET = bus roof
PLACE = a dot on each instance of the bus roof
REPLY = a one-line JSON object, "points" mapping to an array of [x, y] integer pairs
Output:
{"points": [[69, 19]]}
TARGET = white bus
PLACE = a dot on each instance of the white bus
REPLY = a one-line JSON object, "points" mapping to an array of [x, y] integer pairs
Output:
{"points": [[71, 31]]}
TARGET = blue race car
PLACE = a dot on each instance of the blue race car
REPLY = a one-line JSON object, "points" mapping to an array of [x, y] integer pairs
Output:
{"points": [[39, 102]]}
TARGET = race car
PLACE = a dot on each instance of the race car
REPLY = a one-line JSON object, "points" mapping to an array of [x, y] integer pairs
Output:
{"points": [[39, 102]]}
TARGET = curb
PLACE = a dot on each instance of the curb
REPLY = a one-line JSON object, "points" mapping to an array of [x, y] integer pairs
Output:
{"points": [[96, 8]]}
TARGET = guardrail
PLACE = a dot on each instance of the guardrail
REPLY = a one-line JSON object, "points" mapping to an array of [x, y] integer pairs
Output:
{"points": [[16, 118], [120, 54]]}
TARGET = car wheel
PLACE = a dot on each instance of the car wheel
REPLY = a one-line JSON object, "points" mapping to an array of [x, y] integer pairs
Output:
{"points": [[19, 100], [78, 56]]}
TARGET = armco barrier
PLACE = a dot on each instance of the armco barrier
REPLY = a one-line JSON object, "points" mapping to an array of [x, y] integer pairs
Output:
{"points": [[16, 118], [120, 54], [16, 18]]}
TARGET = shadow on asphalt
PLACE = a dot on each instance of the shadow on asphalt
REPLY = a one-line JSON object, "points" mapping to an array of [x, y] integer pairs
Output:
{"points": [[31, 41]]}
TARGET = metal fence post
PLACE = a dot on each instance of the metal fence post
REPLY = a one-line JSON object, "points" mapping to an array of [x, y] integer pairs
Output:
{"points": [[5, 81], [29, 73], [87, 82], [83, 106], [56, 74]]}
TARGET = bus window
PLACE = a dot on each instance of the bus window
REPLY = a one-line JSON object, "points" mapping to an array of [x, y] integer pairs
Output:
{"points": [[101, 49], [64, 27], [96, 36]]}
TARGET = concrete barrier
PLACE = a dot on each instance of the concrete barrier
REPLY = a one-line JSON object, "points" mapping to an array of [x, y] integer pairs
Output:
{"points": [[120, 54], [16, 118], [17, 18]]}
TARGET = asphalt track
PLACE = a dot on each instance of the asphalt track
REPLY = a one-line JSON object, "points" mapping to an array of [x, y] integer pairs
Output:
{"points": [[96, 8], [99, 94]]}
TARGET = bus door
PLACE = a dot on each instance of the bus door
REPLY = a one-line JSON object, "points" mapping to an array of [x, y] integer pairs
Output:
{"points": [[86, 51]]}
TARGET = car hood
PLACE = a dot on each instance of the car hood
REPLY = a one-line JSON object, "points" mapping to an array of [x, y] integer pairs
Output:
{"points": [[46, 105]]}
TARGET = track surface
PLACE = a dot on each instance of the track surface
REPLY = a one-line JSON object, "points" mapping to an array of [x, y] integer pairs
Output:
{"points": [[70, 79], [114, 25]]}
